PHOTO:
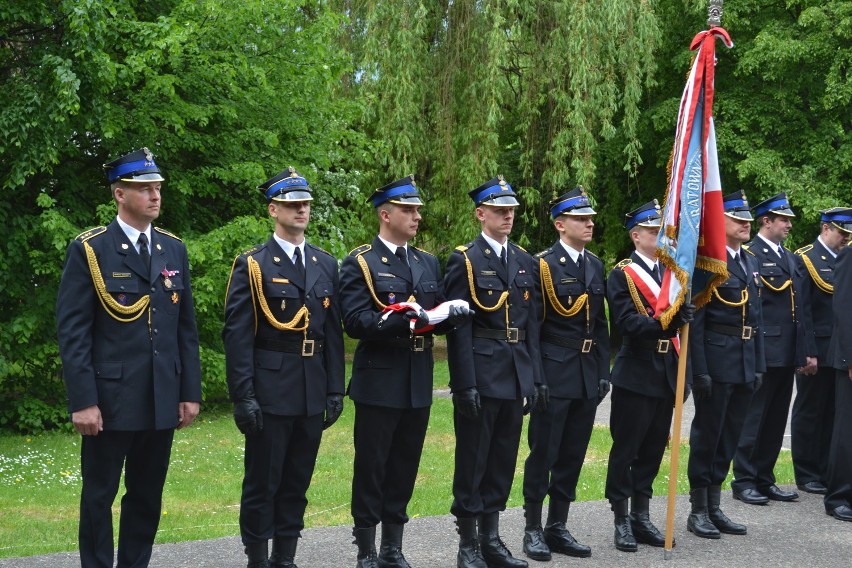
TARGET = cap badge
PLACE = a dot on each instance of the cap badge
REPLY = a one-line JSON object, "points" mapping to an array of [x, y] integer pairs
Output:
{"points": [[149, 157]]}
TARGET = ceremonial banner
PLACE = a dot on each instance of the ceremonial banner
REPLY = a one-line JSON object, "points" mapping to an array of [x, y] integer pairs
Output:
{"points": [[691, 242]]}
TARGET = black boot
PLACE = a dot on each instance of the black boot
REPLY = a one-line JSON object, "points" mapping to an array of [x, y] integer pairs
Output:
{"points": [[556, 533], [469, 555], [258, 554], [390, 554], [624, 539], [366, 541], [719, 519], [534, 545], [283, 552], [699, 522], [493, 548], [644, 530]]}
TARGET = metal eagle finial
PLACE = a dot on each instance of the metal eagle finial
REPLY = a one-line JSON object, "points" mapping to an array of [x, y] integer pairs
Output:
{"points": [[714, 13]]}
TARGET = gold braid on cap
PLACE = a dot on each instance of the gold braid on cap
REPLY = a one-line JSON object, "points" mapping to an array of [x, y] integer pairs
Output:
{"points": [[547, 286], [368, 279], [818, 280], [111, 306], [256, 285], [504, 295]]}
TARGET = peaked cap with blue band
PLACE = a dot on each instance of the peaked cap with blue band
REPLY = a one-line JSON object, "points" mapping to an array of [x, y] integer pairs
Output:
{"points": [[495, 192], [646, 215], [575, 202], [840, 217], [136, 166], [401, 192], [286, 186], [777, 204], [736, 206]]}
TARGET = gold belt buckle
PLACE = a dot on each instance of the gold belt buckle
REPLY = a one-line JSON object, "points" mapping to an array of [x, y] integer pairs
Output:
{"points": [[512, 335], [587, 345], [746, 332], [418, 343], [663, 345], [308, 348]]}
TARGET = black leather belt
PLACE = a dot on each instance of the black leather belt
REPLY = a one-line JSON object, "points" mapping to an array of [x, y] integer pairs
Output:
{"points": [[415, 343], [745, 332], [511, 334], [306, 347], [581, 345], [656, 345]]}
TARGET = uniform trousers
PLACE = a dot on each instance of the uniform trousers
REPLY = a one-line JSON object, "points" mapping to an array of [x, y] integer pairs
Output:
{"points": [[279, 462], [486, 455], [144, 456], [388, 445], [839, 479], [715, 432], [811, 425], [640, 427], [558, 439], [763, 431]]}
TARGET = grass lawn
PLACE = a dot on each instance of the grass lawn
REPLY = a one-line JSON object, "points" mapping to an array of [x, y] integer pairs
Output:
{"points": [[40, 481]]}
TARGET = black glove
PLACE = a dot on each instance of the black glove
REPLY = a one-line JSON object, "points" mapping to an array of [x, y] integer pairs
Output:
{"points": [[420, 319], [603, 389], [333, 408], [248, 416], [702, 386], [684, 315], [395, 323], [458, 315], [542, 398], [758, 381], [466, 403]]}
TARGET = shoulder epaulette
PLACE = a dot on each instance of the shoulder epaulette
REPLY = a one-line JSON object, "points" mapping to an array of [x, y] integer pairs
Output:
{"points": [[463, 248], [253, 250], [745, 248], [804, 249], [168, 234], [590, 253], [544, 253], [314, 247], [421, 250], [624, 263], [94, 232], [357, 251], [519, 246]]}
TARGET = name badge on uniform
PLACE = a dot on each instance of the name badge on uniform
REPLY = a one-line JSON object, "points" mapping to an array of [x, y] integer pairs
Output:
{"points": [[567, 280], [386, 275], [769, 264], [488, 273], [121, 275], [280, 281]]}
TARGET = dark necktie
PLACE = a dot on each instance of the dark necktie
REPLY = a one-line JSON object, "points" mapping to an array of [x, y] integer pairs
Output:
{"points": [[655, 272], [297, 262], [503, 255], [400, 254], [739, 260], [143, 250]]}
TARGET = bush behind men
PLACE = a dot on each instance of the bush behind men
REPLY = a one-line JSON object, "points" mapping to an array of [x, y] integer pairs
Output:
{"points": [[129, 348], [284, 359]]}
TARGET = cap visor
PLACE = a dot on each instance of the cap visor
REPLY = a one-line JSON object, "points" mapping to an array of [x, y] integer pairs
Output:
{"points": [[580, 211], [402, 200], [293, 196], [740, 215], [502, 201], [143, 178]]}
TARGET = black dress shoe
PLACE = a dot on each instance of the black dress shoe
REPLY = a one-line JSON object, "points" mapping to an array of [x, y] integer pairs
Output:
{"points": [[751, 497], [777, 494], [841, 513], [813, 487]]}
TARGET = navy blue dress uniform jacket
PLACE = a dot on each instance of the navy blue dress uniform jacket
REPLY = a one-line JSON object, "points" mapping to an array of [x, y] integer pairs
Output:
{"points": [[840, 348], [498, 369], [638, 368], [569, 373], [285, 382], [137, 372], [783, 325], [728, 358], [385, 371], [816, 275]]}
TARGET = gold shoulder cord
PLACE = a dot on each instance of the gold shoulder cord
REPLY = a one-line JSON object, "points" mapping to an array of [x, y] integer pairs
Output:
{"points": [[256, 285], [634, 294], [741, 303], [111, 306], [820, 283], [504, 295], [368, 279], [787, 284], [547, 286]]}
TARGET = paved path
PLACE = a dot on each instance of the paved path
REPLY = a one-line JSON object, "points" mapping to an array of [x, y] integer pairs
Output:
{"points": [[779, 535]]}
